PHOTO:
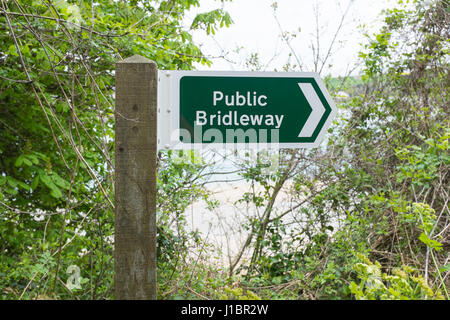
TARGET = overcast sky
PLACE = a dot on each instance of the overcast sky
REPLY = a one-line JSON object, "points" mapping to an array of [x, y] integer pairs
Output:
{"points": [[255, 30]]}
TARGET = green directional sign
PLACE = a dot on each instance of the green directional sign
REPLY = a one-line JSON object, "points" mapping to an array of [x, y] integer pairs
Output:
{"points": [[288, 109]]}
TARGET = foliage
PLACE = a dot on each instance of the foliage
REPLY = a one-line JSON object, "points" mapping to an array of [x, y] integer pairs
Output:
{"points": [[57, 61], [238, 294], [380, 185], [401, 285]]}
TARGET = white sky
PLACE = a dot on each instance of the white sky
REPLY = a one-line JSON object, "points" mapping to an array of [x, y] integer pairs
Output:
{"points": [[256, 30]]}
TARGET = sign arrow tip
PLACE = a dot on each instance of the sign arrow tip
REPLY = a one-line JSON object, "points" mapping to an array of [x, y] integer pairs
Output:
{"points": [[317, 112]]}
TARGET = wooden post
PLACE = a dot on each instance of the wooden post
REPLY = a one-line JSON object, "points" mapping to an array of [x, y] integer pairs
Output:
{"points": [[135, 179]]}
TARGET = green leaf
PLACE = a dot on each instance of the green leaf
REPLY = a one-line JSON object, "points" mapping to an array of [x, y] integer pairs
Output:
{"points": [[12, 182], [19, 161], [12, 50], [56, 193], [34, 159], [54, 190], [430, 242], [445, 268], [27, 162], [46, 180], [35, 182], [60, 182], [23, 185]]}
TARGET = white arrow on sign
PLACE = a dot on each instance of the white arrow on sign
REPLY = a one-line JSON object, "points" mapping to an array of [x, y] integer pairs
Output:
{"points": [[317, 110]]}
